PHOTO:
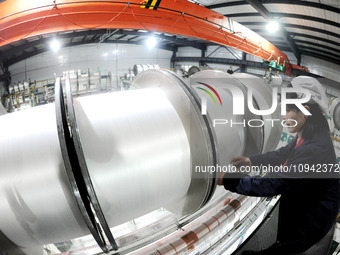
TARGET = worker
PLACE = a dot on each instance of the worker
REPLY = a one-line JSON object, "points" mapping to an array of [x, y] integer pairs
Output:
{"points": [[230, 70], [309, 202]]}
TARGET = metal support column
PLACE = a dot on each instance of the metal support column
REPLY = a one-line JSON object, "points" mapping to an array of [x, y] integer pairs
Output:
{"points": [[244, 62]]}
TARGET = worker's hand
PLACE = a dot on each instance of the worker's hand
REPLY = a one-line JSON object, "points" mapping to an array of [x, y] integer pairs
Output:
{"points": [[240, 161], [220, 178]]}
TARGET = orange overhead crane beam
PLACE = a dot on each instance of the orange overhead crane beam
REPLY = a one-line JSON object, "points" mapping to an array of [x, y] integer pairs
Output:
{"points": [[21, 19]]}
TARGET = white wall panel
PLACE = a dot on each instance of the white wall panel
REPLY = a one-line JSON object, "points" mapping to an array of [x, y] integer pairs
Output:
{"points": [[212, 51], [113, 58], [188, 52], [119, 58], [255, 71], [254, 58], [223, 52]]}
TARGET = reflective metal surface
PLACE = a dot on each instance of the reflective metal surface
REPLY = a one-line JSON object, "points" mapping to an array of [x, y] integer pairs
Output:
{"points": [[263, 96], [253, 137], [230, 140], [202, 141], [238, 139]]}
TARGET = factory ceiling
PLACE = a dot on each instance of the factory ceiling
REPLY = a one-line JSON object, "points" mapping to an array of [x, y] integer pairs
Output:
{"points": [[307, 27], [23, 49]]}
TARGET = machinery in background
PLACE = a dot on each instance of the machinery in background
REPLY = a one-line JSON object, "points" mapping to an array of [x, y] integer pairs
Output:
{"points": [[273, 79], [182, 70], [29, 94], [83, 81], [186, 71], [194, 69], [22, 96], [137, 69], [127, 79]]}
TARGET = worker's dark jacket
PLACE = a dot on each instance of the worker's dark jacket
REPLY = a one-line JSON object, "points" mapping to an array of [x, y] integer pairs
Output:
{"points": [[308, 206]]}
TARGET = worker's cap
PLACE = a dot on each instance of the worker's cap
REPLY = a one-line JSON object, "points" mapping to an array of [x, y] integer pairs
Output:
{"points": [[318, 95]]}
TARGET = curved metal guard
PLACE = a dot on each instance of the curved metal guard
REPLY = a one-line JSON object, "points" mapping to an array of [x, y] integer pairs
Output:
{"points": [[77, 172], [209, 130], [199, 132]]}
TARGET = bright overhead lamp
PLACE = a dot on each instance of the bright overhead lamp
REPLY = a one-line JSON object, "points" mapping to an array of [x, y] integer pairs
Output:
{"points": [[273, 26], [55, 45], [151, 42]]}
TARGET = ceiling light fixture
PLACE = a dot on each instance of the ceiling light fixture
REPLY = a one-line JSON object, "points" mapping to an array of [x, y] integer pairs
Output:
{"points": [[55, 45], [273, 26], [151, 42]]}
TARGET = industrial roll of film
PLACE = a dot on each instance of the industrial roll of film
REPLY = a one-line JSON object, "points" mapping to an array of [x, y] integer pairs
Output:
{"points": [[83, 165]]}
